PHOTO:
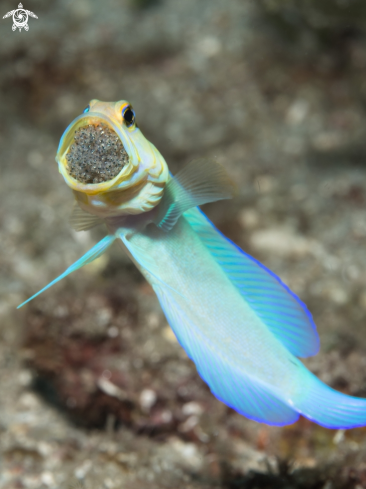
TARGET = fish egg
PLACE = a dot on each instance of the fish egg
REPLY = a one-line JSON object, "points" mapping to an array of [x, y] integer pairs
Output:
{"points": [[94, 148]]}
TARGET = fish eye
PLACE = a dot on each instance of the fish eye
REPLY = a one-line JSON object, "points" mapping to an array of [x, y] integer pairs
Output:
{"points": [[86, 109], [128, 115]]}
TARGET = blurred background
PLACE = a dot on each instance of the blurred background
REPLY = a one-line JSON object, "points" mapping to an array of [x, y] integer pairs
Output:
{"points": [[95, 391]]}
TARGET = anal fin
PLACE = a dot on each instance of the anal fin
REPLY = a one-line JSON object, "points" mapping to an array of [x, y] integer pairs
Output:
{"points": [[227, 381]]}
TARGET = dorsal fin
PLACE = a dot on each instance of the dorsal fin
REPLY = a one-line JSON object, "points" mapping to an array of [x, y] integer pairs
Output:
{"points": [[199, 182], [285, 315]]}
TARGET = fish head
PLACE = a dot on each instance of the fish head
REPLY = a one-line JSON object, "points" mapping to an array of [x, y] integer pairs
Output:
{"points": [[108, 163]]}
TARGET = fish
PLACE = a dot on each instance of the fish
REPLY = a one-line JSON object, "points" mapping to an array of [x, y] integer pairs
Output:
{"points": [[240, 324]]}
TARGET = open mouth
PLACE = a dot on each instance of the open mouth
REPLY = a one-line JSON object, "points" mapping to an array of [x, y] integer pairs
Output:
{"points": [[96, 154]]}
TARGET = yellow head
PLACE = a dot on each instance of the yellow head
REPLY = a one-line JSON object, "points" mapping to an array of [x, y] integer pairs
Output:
{"points": [[107, 162]]}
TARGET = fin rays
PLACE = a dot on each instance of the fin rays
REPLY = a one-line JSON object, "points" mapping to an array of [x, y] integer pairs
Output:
{"points": [[280, 309], [199, 182], [83, 221], [330, 408], [226, 380]]}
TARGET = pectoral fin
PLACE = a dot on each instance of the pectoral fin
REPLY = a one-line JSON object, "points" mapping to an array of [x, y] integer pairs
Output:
{"points": [[83, 221], [90, 256], [199, 182]]}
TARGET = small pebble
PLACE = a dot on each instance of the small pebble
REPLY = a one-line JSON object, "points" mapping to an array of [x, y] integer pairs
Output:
{"points": [[147, 399]]}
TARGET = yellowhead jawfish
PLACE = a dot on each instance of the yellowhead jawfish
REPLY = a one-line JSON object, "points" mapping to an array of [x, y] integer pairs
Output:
{"points": [[240, 324]]}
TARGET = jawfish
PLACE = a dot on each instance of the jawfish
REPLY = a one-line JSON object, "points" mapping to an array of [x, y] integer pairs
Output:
{"points": [[240, 324]]}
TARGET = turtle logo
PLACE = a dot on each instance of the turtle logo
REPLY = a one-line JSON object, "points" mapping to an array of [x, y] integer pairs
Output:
{"points": [[20, 17]]}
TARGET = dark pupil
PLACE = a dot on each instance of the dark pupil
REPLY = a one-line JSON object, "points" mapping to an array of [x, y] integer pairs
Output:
{"points": [[129, 116]]}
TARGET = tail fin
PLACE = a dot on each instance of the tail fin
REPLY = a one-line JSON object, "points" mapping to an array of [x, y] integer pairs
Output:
{"points": [[330, 408]]}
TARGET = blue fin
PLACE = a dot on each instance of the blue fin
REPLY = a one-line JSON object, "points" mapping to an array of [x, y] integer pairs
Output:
{"points": [[285, 315], [199, 182], [226, 380], [90, 256], [327, 407]]}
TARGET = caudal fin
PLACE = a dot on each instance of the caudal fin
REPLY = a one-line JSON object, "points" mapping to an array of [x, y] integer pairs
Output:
{"points": [[330, 408]]}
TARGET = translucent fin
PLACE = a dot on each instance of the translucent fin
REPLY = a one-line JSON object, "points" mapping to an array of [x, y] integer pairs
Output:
{"points": [[285, 315], [83, 221], [226, 380], [199, 182], [327, 407], [90, 256]]}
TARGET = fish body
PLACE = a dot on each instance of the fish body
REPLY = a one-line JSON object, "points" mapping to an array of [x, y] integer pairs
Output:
{"points": [[243, 328], [210, 319]]}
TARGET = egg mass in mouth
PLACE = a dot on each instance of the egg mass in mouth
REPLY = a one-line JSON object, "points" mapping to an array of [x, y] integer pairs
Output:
{"points": [[96, 155]]}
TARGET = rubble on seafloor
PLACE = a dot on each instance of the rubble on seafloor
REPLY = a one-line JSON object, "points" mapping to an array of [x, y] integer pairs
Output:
{"points": [[320, 25]]}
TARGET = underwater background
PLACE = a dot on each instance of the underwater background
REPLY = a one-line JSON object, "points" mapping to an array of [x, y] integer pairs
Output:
{"points": [[95, 390]]}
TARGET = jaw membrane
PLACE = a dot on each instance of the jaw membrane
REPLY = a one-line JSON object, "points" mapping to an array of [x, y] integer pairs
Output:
{"points": [[96, 155]]}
